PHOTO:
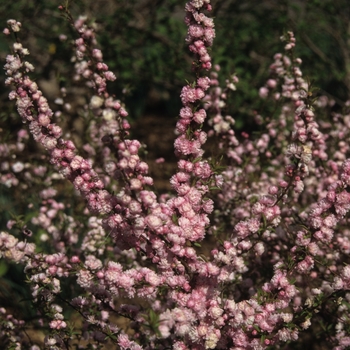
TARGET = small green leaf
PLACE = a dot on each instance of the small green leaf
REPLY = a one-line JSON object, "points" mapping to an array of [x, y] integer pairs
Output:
{"points": [[3, 267]]}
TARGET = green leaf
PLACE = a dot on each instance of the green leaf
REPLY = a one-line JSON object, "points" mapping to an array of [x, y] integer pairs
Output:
{"points": [[3, 267]]}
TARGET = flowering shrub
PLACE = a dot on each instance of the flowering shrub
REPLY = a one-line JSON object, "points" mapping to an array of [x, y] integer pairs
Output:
{"points": [[249, 251]]}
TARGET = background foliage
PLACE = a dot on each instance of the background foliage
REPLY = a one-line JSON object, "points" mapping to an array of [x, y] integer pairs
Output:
{"points": [[143, 43]]}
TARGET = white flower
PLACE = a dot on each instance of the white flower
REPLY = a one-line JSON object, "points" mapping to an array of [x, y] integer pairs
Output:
{"points": [[17, 167], [96, 102], [211, 341]]}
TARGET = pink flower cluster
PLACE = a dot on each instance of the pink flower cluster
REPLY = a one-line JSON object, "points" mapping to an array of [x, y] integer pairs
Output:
{"points": [[95, 70], [201, 32], [247, 257]]}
